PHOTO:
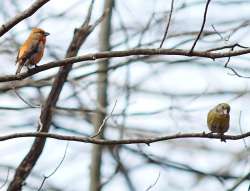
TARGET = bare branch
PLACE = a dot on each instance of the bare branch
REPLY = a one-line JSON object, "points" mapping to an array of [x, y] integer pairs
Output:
{"points": [[169, 20], [21, 16], [202, 26], [218, 33], [147, 141], [166, 163], [54, 171], [31, 158], [100, 129], [124, 53], [239, 181], [6, 179], [152, 185], [232, 69], [21, 98], [241, 131]]}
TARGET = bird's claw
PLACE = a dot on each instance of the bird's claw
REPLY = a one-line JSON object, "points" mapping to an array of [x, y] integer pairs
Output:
{"points": [[222, 138]]}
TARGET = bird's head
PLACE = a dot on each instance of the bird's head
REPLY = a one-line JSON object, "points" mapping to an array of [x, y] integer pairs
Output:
{"points": [[38, 31], [223, 108]]}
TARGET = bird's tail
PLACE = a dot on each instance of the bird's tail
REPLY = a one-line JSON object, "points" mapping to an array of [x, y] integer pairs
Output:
{"points": [[19, 68]]}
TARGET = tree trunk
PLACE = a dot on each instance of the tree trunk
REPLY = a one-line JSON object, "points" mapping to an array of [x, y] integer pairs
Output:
{"points": [[102, 86], [29, 161]]}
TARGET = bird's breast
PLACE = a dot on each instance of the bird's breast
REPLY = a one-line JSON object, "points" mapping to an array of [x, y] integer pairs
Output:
{"points": [[218, 123]]}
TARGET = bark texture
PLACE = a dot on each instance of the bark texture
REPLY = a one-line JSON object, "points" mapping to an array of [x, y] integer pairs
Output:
{"points": [[29, 161], [102, 101]]}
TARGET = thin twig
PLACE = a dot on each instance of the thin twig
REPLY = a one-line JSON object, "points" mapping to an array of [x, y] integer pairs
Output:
{"points": [[232, 69], [202, 26], [166, 163], [152, 185], [21, 98], [6, 179], [215, 30], [239, 181], [169, 20], [145, 29], [227, 46], [55, 170], [40, 124], [241, 131], [122, 167], [87, 20], [100, 129]]}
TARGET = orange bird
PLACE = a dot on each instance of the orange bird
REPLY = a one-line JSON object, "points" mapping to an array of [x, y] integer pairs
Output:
{"points": [[31, 52]]}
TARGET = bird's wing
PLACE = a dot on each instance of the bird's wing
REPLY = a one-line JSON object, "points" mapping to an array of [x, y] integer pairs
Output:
{"points": [[28, 49], [210, 117]]}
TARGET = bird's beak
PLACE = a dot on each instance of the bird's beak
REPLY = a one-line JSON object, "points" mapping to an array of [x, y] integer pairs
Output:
{"points": [[225, 111], [46, 34]]}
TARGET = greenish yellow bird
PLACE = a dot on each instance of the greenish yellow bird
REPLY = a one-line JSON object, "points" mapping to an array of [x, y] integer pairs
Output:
{"points": [[218, 119]]}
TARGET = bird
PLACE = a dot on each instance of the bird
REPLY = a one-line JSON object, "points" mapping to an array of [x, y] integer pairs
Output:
{"points": [[31, 51], [218, 119]]}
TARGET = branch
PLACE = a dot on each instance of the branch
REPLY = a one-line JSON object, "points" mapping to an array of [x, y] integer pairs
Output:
{"points": [[202, 27], [147, 141], [123, 53], [152, 185], [29, 161], [169, 20], [100, 129], [239, 181], [21, 16], [166, 163], [6, 179], [55, 170], [120, 167]]}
